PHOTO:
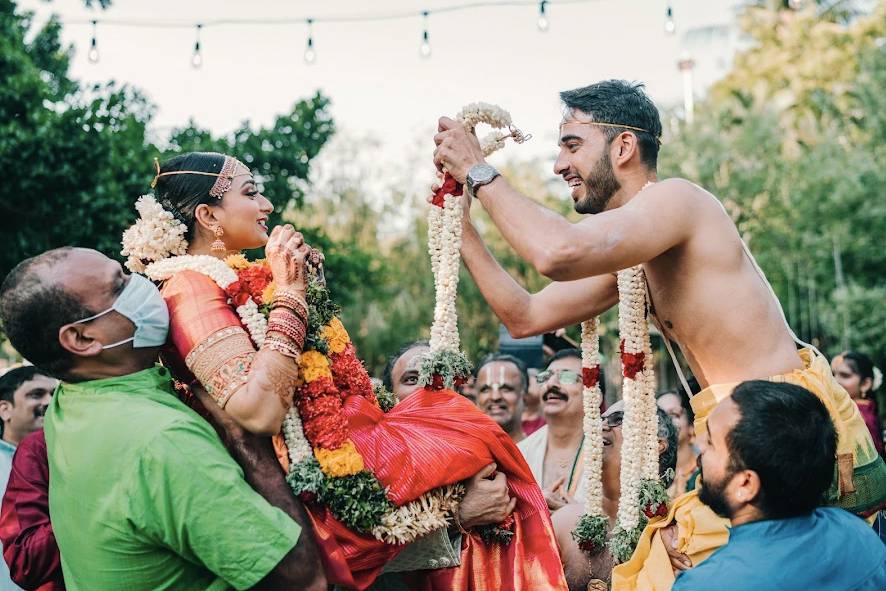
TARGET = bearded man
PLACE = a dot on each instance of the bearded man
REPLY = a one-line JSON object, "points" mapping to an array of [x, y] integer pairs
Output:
{"points": [[705, 290]]}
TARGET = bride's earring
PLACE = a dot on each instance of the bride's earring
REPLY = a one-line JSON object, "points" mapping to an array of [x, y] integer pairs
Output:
{"points": [[218, 244]]}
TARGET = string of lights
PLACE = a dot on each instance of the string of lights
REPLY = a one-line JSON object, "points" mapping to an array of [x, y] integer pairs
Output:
{"points": [[310, 53]]}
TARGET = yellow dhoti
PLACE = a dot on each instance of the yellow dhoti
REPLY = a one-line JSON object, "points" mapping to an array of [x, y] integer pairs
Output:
{"points": [[859, 482]]}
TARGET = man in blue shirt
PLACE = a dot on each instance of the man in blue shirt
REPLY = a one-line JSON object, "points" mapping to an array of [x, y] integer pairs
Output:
{"points": [[766, 460]]}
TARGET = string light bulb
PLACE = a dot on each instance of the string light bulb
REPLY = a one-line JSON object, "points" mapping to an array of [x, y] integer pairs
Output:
{"points": [[197, 58], [542, 21], [425, 48], [670, 26], [93, 46], [310, 54]]}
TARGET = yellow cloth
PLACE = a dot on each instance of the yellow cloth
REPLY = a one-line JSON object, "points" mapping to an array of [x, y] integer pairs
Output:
{"points": [[854, 445], [700, 531]]}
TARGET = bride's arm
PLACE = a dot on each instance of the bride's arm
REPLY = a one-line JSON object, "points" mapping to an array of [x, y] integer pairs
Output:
{"points": [[254, 386]]}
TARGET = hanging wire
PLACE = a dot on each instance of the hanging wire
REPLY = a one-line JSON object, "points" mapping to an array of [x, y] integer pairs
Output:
{"points": [[346, 18]]}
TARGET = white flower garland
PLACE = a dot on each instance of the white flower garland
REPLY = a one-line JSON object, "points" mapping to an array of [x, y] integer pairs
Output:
{"points": [[223, 275], [632, 328], [430, 511], [639, 452], [444, 233], [154, 236], [592, 398], [443, 244]]}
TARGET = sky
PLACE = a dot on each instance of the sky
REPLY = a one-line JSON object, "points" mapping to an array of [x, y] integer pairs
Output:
{"points": [[373, 72]]}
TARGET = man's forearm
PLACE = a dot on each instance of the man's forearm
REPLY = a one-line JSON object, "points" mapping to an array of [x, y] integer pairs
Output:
{"points": [[534, 231], [301, 567], [506, 297]]}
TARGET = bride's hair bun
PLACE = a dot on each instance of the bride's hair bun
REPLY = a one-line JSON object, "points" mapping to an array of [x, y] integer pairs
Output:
{"points": [[154, 236]]}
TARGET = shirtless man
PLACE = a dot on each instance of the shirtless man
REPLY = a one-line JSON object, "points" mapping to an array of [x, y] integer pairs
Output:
{"points": [[705, 290]]}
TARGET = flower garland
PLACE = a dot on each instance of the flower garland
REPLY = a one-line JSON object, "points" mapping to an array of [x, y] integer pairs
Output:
{"points": [[447, 366], [642, 495], [590, 532], [325, 466], [154, 236]]}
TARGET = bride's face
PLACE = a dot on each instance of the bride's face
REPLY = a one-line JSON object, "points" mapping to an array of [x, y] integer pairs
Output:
{"points": [[243, 213]]}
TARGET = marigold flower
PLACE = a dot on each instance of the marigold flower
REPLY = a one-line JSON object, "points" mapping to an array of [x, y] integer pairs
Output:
{"points": [[237, 261], [344, 461], [336, 335], [314, 365], [268, 294], [326, 431], [349, 375]]}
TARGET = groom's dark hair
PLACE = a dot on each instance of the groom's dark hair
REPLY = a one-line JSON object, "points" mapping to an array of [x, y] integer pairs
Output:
{"points": [[620, 102]]}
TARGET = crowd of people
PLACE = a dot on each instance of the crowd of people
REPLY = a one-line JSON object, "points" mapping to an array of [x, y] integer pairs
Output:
{"points": [[154, 443]]}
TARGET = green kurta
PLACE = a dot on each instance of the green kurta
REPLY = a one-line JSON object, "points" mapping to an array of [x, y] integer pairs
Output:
{"points": [[144, 496]]}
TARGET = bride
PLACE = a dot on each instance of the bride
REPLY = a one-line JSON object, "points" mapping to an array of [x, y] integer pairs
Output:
{"points": [[396, 475]]}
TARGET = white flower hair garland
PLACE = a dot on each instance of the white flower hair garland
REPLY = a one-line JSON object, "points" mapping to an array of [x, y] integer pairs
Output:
{"points": [[155, 235], [447, 366]]}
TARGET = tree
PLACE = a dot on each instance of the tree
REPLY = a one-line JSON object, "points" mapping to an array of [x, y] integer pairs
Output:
{"points": [[72, 155], [792, 141]]}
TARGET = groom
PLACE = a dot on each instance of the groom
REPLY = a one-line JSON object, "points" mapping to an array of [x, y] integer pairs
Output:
{"points": [[705, 291]]}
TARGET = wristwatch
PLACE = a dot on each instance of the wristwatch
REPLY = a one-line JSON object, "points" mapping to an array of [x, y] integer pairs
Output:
{"points": [[479, 175]]}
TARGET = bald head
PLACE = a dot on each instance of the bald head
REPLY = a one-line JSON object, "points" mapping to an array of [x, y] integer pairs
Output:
{"points": [[39, 296]]}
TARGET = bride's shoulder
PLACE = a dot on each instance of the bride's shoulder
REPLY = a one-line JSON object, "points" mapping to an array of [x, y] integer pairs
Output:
{"points": [[189, 283]]}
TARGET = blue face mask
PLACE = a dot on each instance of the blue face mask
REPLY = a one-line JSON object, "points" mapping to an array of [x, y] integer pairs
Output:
{"points": [[142, 303]]}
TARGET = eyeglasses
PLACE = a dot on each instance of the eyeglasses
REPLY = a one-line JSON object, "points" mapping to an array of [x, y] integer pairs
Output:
{"points": [[567, 377], [614, 420]]}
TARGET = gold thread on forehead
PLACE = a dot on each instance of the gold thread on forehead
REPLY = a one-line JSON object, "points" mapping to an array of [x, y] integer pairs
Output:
{"points": [[224, 178], [618, 125]]}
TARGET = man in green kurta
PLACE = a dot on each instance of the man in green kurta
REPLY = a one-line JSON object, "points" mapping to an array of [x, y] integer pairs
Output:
{"points": [[143, 494]]}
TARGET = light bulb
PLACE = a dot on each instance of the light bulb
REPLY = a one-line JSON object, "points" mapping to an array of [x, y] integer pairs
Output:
{"points": [[196, 60], [670, 26], [425, 49], [310, 54], [543, 23], [93, 46]]}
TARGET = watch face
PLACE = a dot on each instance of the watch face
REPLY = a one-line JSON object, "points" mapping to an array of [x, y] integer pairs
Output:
{"points": [[482, 173]]}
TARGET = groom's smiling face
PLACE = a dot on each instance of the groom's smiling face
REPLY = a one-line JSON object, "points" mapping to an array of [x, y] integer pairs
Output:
{"points": [[585, 164]]}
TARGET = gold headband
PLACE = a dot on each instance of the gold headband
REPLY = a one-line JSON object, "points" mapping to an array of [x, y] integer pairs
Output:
{"points": [[223, 181], [619, 125]]}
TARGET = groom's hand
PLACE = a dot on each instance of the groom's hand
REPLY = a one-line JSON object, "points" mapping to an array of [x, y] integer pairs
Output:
{"points": [[457, 149]]}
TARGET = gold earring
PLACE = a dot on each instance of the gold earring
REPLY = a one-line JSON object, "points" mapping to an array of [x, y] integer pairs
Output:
{"points": [[218, 245]]}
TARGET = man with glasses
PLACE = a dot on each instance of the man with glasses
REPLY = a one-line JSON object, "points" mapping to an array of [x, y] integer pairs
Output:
{"points": [[578, 566], [554, 451]]}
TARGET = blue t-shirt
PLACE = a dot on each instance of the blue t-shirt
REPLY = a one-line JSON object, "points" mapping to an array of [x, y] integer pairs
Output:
{"points": [[830, 549]]}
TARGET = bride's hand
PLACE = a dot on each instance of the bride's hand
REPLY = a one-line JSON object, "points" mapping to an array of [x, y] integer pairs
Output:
{"points": [[286, 252]]}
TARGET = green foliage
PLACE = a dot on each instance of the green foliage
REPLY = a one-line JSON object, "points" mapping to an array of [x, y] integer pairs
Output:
{"points": [[71, 153], [792, 142], [590, 533], [80, 157], [386, 400]]}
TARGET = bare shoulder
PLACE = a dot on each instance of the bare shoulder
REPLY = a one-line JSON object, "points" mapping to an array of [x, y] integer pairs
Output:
{"points": [[684, 199]]}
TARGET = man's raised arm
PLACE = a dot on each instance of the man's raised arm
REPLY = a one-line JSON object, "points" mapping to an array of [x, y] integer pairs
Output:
{"points": [[524, 314], [648, 225]]}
